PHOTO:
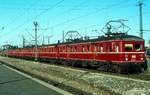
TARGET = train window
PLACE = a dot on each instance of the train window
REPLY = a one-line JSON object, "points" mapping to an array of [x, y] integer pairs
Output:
{"points": [[88, 48], [63, 49], [71, 49], [138, 47], [128, 47], [68, 49], [98, 48], [46, 49], [50, 50], [75, 49], [83, 49], [94, 48], [116, 48], [109, 48], [101, 48]]}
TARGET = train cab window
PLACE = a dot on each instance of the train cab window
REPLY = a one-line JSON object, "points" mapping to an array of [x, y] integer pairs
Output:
{"points": [[128, 47], [138, 47]]}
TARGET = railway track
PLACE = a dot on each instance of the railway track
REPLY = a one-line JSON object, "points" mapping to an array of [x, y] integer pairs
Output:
{"points": [[145, 76], [52, 82], [109, 82], [140, 76]]}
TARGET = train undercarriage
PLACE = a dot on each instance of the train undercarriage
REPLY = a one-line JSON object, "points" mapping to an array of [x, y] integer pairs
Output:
{"points": [[124, 68]]}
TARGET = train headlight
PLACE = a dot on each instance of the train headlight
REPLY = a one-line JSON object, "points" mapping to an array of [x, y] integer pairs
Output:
{"points": [[126, 59], [141, 57]]}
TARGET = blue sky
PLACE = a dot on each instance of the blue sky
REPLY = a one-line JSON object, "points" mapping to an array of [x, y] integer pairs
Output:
{"points": [[55, 16]]}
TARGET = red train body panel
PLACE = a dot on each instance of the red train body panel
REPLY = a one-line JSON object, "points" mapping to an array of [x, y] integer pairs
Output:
{"points": [[117, 50]]}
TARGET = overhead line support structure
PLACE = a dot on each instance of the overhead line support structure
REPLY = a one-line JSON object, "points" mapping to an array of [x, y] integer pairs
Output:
{"points": [[36, 29], [141, 18]]}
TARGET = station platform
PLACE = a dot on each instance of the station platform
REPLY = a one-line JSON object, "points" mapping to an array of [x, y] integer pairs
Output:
{"points": [[13, 83]]}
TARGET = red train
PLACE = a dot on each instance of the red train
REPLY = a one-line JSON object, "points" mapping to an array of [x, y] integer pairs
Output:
{"points": [[118, 53]]}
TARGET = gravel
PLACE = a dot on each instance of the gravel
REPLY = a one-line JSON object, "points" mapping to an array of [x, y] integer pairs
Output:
{"points": [[95, 83]]}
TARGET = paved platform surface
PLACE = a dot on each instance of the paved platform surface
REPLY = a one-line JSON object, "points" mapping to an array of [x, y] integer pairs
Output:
{"points": [[12, 83]]}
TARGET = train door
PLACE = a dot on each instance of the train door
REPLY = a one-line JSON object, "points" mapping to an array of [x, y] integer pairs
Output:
{"points": [[116, 56], [116, 47], [109, 47], [109, 50]]}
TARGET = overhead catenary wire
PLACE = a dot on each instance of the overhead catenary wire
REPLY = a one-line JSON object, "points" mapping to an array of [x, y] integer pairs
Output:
{"points": [[69, 20], [71, 9], [20, 15], [89, 14], [81, 16], [29, 20], [72, 19]]}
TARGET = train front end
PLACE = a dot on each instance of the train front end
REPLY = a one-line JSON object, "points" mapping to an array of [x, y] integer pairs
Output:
{"points": [[133, 54]]}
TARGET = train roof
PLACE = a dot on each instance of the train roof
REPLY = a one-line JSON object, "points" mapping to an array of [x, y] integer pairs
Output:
{"points": [[121, 37], [100, 38], [104, 38]]}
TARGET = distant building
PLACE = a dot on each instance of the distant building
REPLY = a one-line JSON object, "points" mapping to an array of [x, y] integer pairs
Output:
{"points": [[8, 46], [147, 47]]}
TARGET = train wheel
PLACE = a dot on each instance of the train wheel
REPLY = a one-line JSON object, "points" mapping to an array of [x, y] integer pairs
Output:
{"points": [[73, 64], [108, 66], [114, 68], [84, 65], [119, 69], [145, 65], [78, 63], [139, 69], [66, 63]]}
